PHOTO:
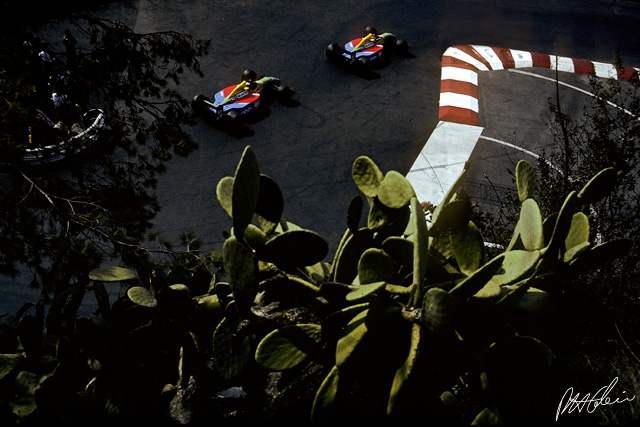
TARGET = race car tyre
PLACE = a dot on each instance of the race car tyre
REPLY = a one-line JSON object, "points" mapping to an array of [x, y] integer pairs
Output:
{"points": [[402, 45], [383, 56], [361, 63], [285, 92], [333, 51], [389, 42], [234, 115], [200, 98], [198, 103]]}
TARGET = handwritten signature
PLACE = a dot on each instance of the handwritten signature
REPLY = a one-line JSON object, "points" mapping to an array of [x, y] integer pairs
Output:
{"points": [[601, 397]]}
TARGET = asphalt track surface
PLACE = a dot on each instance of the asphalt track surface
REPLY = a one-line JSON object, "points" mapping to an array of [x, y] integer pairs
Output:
{"points": [[309, 148]]}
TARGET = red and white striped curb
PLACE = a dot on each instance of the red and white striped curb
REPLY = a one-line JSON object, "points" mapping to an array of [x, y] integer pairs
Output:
{"points": [[461, 64], [442, 159]]}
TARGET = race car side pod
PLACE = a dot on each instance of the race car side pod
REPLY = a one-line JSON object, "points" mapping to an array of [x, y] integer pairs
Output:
{"points": [[363, 41], [443, 157], [234, 91]]}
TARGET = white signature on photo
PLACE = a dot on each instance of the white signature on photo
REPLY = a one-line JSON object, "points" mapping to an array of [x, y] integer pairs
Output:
{"points": [[570, 401]]}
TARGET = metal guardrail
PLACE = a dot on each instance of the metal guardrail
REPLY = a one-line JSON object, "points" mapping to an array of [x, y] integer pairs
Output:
{"points": [[56, 152]]}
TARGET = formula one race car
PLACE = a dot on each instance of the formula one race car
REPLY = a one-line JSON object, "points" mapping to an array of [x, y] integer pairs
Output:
{"points": [[246, 98], [372, 48]]}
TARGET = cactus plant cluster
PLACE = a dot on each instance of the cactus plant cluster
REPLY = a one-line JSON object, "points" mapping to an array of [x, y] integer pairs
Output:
{"points": [[409, 318], [403, 297], [404, 293]]}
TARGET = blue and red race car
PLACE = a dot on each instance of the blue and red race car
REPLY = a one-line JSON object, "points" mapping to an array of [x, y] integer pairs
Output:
{"points": [[246, 98], [366, 51]]}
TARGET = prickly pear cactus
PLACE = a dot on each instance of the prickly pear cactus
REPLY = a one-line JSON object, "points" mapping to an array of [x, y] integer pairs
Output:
{"points": [[408, 292], [409, 304]]}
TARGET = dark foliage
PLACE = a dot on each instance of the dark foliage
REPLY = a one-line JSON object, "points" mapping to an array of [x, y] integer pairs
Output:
{"points": [[59, 220], [604, 302]]}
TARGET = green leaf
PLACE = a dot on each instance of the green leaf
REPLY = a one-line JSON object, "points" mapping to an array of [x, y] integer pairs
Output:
{"points": [[404, 372], [535, 300], [270, 204], [362, 291], [325, 395], [513, 294], [256, 238], [472, 284], [288, 226], [176, 299], [224, 191], [441, 249], [242, 270], [451, 193], [438, 310], [453, 216], [526, 180], [318, 272], [576, 251], [516, 265], [548, 226], [8, 362], [486, 417], [562, 224], [111, 274], [489, 291], [334, 324], [351, 336], [599, 186], [579, 231], [24, 393], [600, 255], [420, 250], [367, 176], [468, 248], [395, 191], [179, 287], [375, 265], [208, 309], [231, 349], [345, 266], [142, 296], [529, 228], [382, 218], [400, 249], [286, 347], [245, 193], [293, 287]]}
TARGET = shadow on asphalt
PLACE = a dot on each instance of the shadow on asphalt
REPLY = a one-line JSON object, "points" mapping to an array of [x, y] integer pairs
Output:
{"points": [[240, 129], [371, 72]]}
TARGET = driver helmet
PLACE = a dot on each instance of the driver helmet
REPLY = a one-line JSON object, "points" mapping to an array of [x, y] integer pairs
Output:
{"points": [[249, 75], [370, 30]]}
